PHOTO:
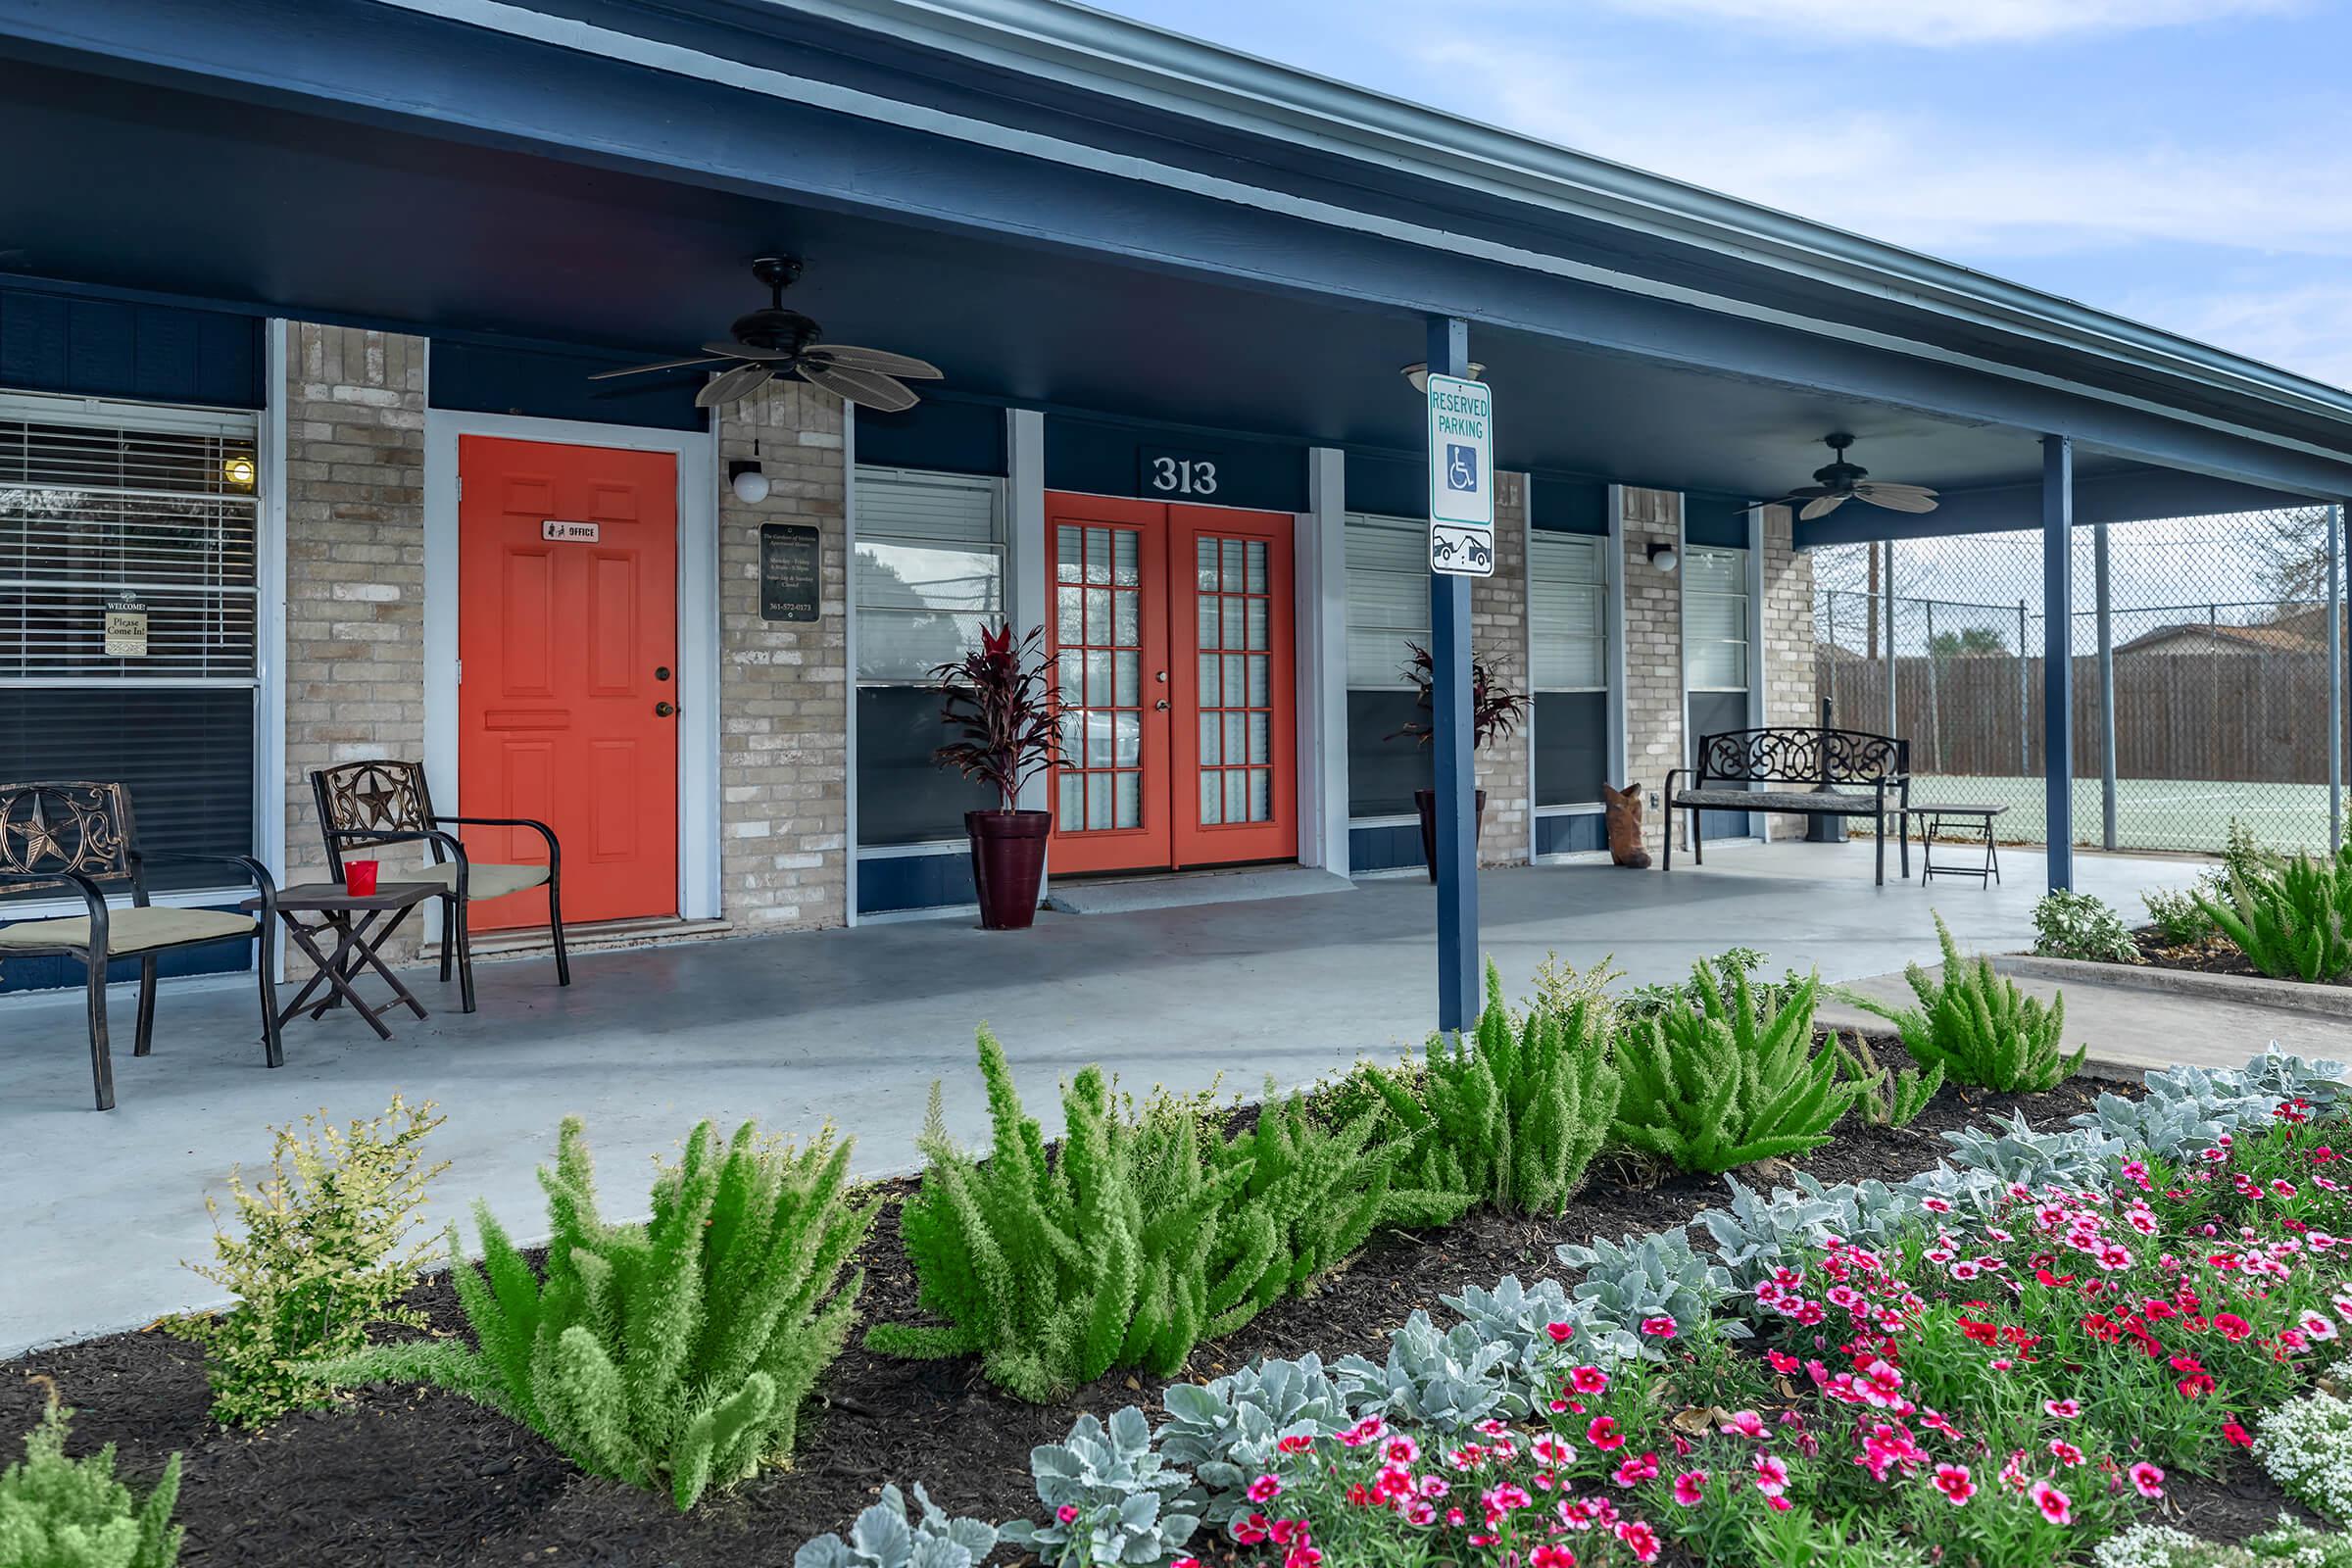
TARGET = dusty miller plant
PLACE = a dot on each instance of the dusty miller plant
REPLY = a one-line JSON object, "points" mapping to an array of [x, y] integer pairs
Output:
{"points": [[887, 1536], [322, 1255], [1448, 1381], [1636, 1277], [1227, 1431], [1123, 1499]]}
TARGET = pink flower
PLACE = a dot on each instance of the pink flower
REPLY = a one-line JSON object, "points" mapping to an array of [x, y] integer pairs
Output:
{"points": [[1659, 1328], [1550, 1555], [2234, 1328], [1562, 1333], [1640, 1540], [1689, 1488], [1067, 1513], [1589, 1380], [1266, 1489], [1303, 1555], [2063, 1409], [2147, 1480], [1603, 1435], [1401, 1450], [2065, 1452], [1745, 1423], [1952, 1479], [1772, 1475], [1782, 1363], [1633, 1472], [2055, 1505]]}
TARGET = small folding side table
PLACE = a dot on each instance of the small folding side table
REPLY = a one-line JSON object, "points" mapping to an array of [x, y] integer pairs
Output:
{"points": [[1974, 824], [361, 925]]}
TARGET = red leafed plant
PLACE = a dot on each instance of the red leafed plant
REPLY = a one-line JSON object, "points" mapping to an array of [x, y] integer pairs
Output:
{"points": [[1494, 709], [999, 699]]}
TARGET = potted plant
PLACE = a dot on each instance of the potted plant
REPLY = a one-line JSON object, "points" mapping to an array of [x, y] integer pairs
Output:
{"points": [[1495, 710], [998, 697]]}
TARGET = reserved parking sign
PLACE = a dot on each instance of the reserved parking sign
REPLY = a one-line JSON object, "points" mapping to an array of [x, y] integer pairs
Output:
{"points": [[1461, 477]]}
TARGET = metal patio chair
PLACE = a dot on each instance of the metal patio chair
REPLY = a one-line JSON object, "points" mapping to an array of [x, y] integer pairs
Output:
{"points": [[382, 801], [83, 836]]}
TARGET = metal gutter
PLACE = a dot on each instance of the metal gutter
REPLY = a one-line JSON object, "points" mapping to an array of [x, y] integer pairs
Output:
{"points": [[1090, 50]]}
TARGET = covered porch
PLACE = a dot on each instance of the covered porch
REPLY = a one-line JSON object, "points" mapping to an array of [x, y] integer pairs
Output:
{"points": [[855, 1025]]}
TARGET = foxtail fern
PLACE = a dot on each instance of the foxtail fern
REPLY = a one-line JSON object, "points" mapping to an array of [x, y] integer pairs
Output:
{"points": [[2289, 920], [1885, 1098], [672, 1354], [1977, 1026], [1729, 1079]]}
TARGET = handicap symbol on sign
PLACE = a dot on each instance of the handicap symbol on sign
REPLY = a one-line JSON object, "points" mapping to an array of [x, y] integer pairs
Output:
{"points": [[1461, 468]]}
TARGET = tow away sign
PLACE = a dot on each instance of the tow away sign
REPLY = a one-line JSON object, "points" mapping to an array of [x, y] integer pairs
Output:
{"points": [[1461, 477]]}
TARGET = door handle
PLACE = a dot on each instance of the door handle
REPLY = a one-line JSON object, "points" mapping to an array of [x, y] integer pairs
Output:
{"points": [[663, 710], [1161, 706]]}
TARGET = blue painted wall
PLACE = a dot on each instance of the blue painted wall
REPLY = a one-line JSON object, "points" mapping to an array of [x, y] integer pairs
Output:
{"points": [[943, 434], [1388, 486], [915, 882], [1114, 457], [1715, 519], [1384, 848], [550, 381], [1568, 505], [1566, 835], [87, 346]]}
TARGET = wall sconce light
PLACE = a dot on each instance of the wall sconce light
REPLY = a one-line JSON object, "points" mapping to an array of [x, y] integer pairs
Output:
{"points": [[1418, 373], [237, 470], [748, 480], [1664, 555]]}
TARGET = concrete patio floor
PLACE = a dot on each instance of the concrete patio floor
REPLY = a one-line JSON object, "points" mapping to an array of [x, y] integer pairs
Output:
{"points": [[855, 1025]]}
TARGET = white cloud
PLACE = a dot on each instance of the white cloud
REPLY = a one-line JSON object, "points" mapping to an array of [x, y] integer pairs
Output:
{"points": [[1936, 23], [2305, 328]]}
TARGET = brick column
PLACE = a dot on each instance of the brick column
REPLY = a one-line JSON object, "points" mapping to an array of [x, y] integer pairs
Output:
{"points": [[354, 564], [784, 686], [1789, 655], [1499, 631], [1653, 650]]}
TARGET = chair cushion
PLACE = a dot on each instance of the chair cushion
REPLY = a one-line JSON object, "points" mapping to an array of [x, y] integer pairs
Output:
{"points": [[482, 879], [131, 930], [1734, 800]]}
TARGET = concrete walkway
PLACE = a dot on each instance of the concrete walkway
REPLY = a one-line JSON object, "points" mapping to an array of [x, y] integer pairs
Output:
{"points": [[855, 1025]]}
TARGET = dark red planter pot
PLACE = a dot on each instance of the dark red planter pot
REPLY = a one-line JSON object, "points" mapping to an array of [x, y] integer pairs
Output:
{"points": [[1008, 865], [1426, 800]]}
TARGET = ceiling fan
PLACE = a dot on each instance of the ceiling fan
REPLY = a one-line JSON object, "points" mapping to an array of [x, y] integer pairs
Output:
{"points": [[774, 341], [1839, 482]]}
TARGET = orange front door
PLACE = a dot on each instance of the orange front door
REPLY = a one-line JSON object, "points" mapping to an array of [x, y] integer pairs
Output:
{"points": [[1171, 630], [567, 657]]}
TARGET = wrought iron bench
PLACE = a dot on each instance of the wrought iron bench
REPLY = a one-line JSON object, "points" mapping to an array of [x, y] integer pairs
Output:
{"points": [[1730, 762], [382, 801], [82, 835]]}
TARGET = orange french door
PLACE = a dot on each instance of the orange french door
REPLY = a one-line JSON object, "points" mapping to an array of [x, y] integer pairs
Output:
{"points": [[567, 695], [1171, 631]]}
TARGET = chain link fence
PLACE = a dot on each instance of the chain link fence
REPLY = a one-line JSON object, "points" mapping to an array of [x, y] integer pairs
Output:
{"points": [[2218, 627]]}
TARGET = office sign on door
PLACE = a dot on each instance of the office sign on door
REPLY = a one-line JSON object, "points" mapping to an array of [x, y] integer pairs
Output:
{"points": [[1461, 477]]}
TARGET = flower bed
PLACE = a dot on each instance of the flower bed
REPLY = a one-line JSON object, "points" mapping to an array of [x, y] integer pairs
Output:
{"points": [[1654, 1397]]}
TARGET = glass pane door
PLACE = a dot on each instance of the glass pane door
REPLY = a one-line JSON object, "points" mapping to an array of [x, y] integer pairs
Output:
{"points": [[1108, 634], [1234, 797]]}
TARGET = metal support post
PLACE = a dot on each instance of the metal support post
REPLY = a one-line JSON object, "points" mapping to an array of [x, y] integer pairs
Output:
{"points": [[2336, 678], [1889, 586], [1452, 743], [2024, 699], [2058, 656], [1934, 718], [2102, 585]]}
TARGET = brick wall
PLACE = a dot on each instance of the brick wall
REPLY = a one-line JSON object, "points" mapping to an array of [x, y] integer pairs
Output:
{"points": [[1653, 650], [1787, 615], [354, 562], [1499, 632], [784, 687]]}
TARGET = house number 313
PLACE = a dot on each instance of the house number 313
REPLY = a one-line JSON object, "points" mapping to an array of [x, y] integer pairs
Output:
{"points": [[1183, 476]]}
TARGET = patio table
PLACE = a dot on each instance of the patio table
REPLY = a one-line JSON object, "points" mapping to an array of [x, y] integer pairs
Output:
{"points": [[362, 924], [1976, 820]]}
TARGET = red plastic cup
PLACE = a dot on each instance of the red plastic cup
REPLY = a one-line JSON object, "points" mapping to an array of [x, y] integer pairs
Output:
{"points": [[359, 877]]}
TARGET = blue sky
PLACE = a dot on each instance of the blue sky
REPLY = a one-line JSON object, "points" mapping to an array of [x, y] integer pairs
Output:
{"points": [[2187, 163]]}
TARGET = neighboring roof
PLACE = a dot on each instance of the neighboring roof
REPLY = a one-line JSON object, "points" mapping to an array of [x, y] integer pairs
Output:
{"points": [[2265, 639]]}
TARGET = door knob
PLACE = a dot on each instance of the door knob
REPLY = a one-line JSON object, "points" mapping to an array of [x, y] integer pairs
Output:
{"points": [[661, 673], [1161, 706], [663, 709]]}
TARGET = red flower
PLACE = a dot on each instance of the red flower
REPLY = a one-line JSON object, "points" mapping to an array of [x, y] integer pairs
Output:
{"points": [[1603, 1435]]}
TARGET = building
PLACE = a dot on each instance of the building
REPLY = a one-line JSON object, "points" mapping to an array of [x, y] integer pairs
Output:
{"points": [[305, 295]]}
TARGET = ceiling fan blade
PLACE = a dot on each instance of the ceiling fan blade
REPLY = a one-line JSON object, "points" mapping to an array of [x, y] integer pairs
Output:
{"points": [[735, 383], [657, 364], [1898, 498], [850, 356], [1820, 507], [868, 389], [746, 351], [1883, 487]]}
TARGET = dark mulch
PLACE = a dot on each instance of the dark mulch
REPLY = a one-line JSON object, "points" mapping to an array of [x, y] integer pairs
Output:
{"points": [[2213, 955], [416, 1477]]}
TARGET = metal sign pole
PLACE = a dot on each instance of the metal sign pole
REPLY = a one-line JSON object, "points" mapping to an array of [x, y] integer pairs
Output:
{"points": [[2336, 678], [1451, 744]]}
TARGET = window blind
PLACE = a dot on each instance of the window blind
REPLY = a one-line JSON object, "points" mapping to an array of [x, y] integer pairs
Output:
{"points": [[930, 570], [1388, 597], [1567, 594], [1715, 649]]}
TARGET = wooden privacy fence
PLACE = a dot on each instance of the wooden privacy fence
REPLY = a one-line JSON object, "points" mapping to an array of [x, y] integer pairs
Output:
{"points": [[2258, 716]]}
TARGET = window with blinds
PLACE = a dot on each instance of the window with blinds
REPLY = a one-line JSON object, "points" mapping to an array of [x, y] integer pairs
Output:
{"points": [[930, 570], [1567, 595], [1388, 597], [145, 520], [930, 574], [1715, 649]]}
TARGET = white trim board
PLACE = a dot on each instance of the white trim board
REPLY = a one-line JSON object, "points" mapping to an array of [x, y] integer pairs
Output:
{"points": [[695, 452]]}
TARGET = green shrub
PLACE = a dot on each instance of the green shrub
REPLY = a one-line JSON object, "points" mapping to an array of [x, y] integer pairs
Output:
{"points": [[1886, 1099], [1140, 1236], [2080, 925], [2290, 921], [320, 1260], [671, 1354], [1726, 968], [1977, 1026], [2178, 917], [1561, 985], [57, 1512], [1514, 1112], [1729, 1079]]}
